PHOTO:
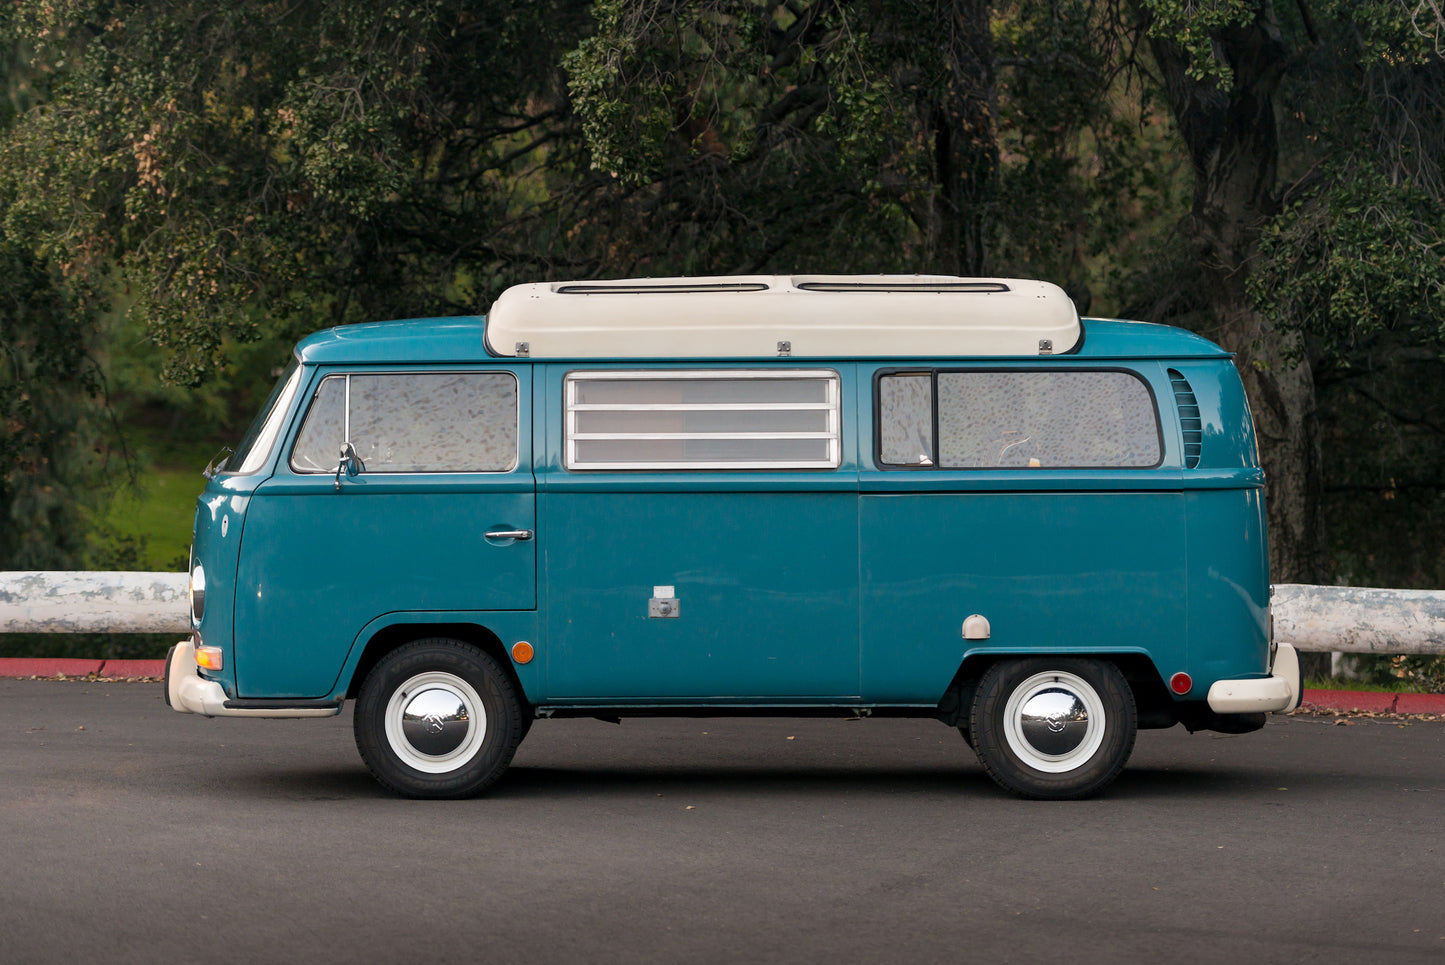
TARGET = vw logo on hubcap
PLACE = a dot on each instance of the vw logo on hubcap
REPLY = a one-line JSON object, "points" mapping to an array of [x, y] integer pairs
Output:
{"points": [[1054, 721], [435, 721]]}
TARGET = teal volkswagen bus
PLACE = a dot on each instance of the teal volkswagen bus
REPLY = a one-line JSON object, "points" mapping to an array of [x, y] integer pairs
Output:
{"points": [[919, 496]]}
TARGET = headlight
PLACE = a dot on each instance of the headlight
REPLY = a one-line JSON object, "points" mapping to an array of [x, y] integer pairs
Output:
{"points": [[198, 594]]}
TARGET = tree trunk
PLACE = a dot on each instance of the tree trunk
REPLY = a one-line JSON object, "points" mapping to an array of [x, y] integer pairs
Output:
{"points": [[1232, 140], [965, 141]]}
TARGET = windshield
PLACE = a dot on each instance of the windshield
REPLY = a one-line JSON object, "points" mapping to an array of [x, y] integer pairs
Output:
{"points": [[255, 445]]}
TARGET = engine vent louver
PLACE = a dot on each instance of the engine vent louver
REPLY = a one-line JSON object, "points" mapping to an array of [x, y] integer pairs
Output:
{"points": [[1189, 419]]}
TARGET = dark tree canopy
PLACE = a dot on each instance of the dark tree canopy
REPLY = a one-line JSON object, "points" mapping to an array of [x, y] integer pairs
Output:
{"points": [[264, 164], [1265, 173]]}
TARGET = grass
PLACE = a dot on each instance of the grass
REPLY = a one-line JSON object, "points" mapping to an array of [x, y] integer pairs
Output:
{"points": [[157, 514], [153, 518], [1351, 683], [142, 527]]}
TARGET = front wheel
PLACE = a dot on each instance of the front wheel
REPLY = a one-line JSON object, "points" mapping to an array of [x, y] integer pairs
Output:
{"points": [[437, 719], [1053, 728]]}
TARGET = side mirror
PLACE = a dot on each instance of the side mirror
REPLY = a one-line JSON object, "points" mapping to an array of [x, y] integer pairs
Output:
{"points": [[350, 463]]}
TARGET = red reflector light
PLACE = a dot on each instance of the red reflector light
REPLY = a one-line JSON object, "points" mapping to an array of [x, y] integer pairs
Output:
{"points": [[1180, 683]]}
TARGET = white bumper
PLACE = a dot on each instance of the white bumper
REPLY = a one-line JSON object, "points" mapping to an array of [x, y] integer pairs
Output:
{"points": [[1280, 692], [190, 693]]}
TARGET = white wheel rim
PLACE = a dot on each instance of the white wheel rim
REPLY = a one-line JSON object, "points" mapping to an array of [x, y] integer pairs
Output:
{"points": [[1042, 687], [439, 686]]}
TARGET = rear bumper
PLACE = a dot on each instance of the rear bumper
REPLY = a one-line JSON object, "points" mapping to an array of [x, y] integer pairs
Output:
{"points": [[1280, 692], [190, 693]]}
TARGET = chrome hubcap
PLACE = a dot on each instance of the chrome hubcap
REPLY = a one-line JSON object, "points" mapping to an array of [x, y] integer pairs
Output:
{"points": [[435, 722], [1054, 722]]}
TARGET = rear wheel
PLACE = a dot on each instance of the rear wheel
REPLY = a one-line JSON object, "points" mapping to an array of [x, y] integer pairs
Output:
{"points": [[438, 719], [1053, 728]]}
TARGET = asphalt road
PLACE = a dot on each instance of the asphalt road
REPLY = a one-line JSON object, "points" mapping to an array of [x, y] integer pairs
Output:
{"points": [[129, 833]]}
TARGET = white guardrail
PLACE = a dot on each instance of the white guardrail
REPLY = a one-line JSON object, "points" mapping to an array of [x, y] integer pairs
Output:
{"points": [[1339, 619], [62, 601]]}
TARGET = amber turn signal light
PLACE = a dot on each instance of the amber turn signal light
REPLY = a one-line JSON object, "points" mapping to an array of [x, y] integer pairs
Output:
{"points": [[209, 658]]}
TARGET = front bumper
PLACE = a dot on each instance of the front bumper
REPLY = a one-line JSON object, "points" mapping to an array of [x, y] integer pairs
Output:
{"points": [[190, 693], [1280, 692]]}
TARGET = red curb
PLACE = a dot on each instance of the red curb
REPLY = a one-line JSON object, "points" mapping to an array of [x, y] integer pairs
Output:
{"points": [[47, 667], [1420, 704], [1363, 700], [133, 668], [76, 667]]}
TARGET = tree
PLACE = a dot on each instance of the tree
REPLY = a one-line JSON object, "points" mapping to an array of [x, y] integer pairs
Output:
{"points": [[1265, 174], [1304, 256], [812, 134], [50, 386], [286, 166]]}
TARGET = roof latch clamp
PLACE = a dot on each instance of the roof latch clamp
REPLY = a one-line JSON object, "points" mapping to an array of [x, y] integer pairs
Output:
{"points": [[1046, 346], [524, 349], [785, 349]]}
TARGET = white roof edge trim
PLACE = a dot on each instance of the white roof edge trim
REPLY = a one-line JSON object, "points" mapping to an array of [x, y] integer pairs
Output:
{"points": [[802, 316]]}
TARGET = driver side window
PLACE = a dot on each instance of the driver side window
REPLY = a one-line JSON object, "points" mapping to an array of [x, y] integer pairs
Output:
{"points": [[402, 422]]}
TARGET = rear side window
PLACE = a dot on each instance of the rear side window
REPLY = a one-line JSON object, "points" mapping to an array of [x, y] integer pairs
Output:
{"points": [[1017, 419], [702, 420], [412, 422]]}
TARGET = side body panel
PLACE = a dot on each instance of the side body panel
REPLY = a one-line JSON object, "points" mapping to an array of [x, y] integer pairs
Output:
{"points": [[1057, 572], [321, 563], [764, 566], [216, 545], [1057, 560], [1228, 551]]}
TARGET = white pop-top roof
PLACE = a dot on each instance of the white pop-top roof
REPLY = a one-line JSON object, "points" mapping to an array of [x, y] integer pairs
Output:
{"points": [[740, 316]]}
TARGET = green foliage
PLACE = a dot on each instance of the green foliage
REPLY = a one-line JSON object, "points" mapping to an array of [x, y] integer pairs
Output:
{"points": [[1358, 260], [1393, 33], [807, 134], [1383, 420], [1092, 182], [1194, 27], [626, 136], [1420, 674], [266, 167], [186, 188], [1367, 681], [49, 389]]}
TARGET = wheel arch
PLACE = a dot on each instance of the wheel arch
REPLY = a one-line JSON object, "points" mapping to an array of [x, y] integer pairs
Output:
{"points": [[1155, 708], [395, 635]]}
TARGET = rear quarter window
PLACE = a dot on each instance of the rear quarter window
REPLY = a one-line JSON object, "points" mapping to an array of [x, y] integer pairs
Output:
{"points": [[1017, 419]]}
